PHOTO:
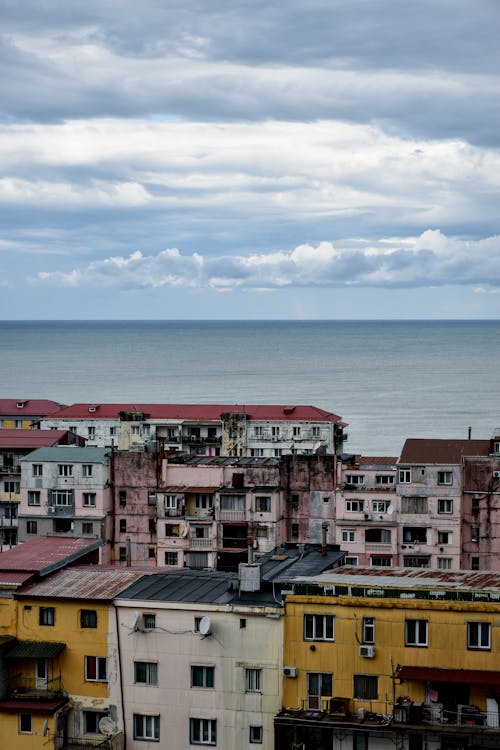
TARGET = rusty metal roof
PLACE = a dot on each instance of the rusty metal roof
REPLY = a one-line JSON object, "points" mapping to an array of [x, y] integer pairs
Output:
{"points": [[90, 582], [378, 460], [45, 554], [436, 451], [30, 438]]}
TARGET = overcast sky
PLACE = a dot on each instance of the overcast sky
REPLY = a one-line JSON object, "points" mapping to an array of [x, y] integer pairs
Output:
{"points": [[249, 159]]}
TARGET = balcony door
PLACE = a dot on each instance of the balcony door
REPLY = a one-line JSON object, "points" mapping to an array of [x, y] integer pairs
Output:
{"points": [[41, 674]]}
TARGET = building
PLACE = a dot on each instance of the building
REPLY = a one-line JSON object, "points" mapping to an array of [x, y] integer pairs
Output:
{"points": [[66, 490], [206, 429], [368, 662], [366, 515], [429, 500], [23, 414], [14, 444]]}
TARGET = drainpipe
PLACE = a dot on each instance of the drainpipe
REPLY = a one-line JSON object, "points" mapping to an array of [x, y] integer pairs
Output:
{"points": [[128, 555], [250, 550], [324, 531], [470, 433]]}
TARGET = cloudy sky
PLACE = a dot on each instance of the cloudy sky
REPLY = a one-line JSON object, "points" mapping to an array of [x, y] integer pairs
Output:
{"points": [[249, 159]]}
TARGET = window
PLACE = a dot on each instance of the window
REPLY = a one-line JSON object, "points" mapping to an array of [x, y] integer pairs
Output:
{"points": [[444, 537], [171, 558], [381, 561], [256, 735], [96, 668], [257, 452], [475, 505], [262, 532], [37, 470], [319, 685], [414, 505], [202, 731], [47, 616], [25, 724], [10, 511], [445, 505], [136, 429], [88, 618], [243, 623], [381, 506], [87, 470], [474, 534], [122, 497], [151, 553], [123, 525], [203, 502], [360, 741], [445, 477], [384, 479], [348, 535], [146, 673], [354, 506], [444, 563], [112, 431], [87, 527], [404, 476], [62, 498], [368, 634], [355, 479], [479, 635], [378, 536], [65, 470], [11, 487], [152, 525], [278, 452], [318, 628], [253, 680], [257, 431], [202, 677], [122, 554], [91, 432], [171, 529], [351, 560], [91, 721], [33, 497], [146, 727], [474, 563], [31, 527], [262, 504], [89, 499], [315, 432], [275, 432], [232, 502], [149, 621], [152, 498], [366, 687], [296, 431], [416, 633], [295, 530]]}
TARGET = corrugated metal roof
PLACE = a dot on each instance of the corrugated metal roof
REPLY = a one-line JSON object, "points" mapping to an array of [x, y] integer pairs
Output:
{"points": [[13, 579], [34, 650], [285, 563], [183, 586], [45, 554], [436, 451], [31, 407], [377, 460], [91, 582], [424, 578], [196, 412], [70, 454], [30, 438]]}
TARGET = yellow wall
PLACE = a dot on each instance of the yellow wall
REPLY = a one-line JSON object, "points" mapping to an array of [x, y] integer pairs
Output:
{"points": [[11, 738], [10, 424], [80, 642], [447, 647]]}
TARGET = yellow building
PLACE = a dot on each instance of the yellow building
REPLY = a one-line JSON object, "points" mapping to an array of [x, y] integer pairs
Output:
{"points": [[60, 674], [403, 656]]}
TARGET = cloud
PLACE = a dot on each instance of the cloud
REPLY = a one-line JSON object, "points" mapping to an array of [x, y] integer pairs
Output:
{"points": [[430, 260]]}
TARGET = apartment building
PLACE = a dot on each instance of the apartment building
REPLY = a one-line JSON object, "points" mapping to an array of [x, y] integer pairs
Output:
{"points": [[368, 662], [24, 414], [366, 520], [66, 490], [206, 429]]}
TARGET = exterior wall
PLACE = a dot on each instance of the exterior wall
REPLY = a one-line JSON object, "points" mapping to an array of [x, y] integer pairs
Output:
{"points": [[100, 433], [230, 649], [481, 513], [307, 484]]}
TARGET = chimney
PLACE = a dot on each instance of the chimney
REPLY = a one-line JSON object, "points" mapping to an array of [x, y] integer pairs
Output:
{"points": [[324, 532], [470, 433], [250, 550]]}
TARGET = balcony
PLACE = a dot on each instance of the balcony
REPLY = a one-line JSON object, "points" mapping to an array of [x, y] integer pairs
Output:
{"points": [[466, 717], [105, 743], [199, 542], [231, 515], [378, 547], [201, 440], [23, 688]]}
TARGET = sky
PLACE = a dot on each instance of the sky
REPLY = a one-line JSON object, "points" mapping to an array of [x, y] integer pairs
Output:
{"points": [[248, 159]]}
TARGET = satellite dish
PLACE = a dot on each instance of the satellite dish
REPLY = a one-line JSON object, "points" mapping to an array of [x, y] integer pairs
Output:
{"points": [[205, 626], [134, 620], [184, 532], [107, 726], [390, 510]]}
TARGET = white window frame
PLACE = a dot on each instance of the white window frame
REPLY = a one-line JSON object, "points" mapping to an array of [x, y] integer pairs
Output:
{"points": [[368, 630], [443, 541], [355, 479], [444, 563], [404, 476], [65, 470], [348, 535], [34, 497], [256, 735], [149, 670], [384, 480], [146, 727], [445, 478], [207, 675], [355, 506], [25, 716], [479, 636], [100, 662], [416, 633], [381, 506], [37, 470], [253, 680], [318, 627], [443, 504], [87, 470], [202, 731], [263, 504], [89, 499]]}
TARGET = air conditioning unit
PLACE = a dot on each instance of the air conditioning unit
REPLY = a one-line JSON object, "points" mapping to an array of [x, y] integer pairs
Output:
{"points": [[289, 671], [367, 651], [496, 474], [51, 509]]}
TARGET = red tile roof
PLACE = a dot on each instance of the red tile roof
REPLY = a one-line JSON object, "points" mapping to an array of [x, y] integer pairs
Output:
{"points": [[209, 412], [378, 460], [32, 407], [30, 438], [44, 554], [432, 451]]}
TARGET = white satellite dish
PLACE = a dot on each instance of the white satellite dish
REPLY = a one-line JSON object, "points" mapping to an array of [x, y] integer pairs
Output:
{"points": [[134, 620], [205, 626], [390, 510], [107, 726]]}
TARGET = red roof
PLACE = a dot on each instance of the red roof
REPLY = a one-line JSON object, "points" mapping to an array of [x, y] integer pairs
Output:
{"points": [[10, 578], [31, 407], [209, 412], [30, 438], [435, 451], [436, 674], [44, 554], [35, 707]]}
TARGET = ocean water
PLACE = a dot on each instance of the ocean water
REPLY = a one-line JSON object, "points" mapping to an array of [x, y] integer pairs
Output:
{"points": [[388, 379]]}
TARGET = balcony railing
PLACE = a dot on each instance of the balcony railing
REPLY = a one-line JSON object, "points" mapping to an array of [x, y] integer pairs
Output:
{"points": [[201, 439], [199, 542], [105, 743], [378, 547], [22, 687], [433, 714], [231, 515]]}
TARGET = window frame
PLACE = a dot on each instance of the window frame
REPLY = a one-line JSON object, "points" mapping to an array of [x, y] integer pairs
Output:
{"points": [[89, 499], [479, 626], [23, 717], [87, 470], [404, 476], [99, 662], [88, 618], [253, 679], [256, 735], [442, 503], [207, 676], [37, 470], [150, 673], [368, 630], [311, 630], [47, 616], [349, 535], [141, 731], [201, 728], [65, 470], [443, 477], [34, 498], [263, 504], [365, 687], [350, 505], [31, 527], [416, 639]]}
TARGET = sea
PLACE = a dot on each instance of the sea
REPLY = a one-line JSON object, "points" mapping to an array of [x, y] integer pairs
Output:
{"points": [[389, 380]]}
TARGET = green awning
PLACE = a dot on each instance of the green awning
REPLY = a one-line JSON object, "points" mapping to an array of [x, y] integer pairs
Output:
{"points": [[34, 650]]}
